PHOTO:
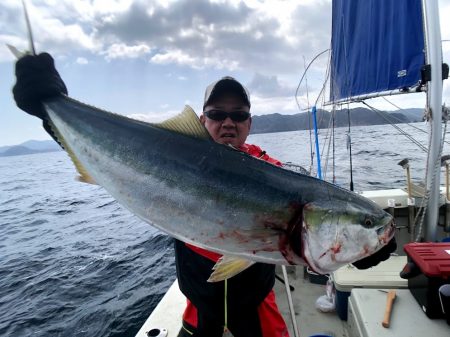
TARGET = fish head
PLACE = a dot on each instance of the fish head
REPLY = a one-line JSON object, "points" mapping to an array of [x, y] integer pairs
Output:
{"points": [[336, 233]]}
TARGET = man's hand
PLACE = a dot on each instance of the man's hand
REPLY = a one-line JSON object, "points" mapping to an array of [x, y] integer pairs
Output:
{"points": [[36, 80], [382, 255]]}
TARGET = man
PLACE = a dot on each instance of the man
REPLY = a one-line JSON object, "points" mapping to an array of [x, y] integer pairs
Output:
{"points": [[248, 297], [244, 304]]}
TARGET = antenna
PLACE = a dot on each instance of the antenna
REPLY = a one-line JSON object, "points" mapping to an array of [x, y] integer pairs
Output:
{"points": [[30, 32]]}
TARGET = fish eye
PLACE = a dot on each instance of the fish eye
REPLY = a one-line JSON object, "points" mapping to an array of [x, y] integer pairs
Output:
{"points": [[368, 222]]}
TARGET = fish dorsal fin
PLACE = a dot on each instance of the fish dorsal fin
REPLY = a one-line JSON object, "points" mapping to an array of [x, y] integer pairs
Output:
{"points": [[186, 123], [84, 176], [227, 267]]}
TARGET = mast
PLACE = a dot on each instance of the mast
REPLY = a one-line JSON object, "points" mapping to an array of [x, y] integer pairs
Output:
{"points": [[434, 103]]}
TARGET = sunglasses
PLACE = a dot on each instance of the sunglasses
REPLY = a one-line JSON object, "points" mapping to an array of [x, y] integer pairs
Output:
{"points": [[235, 116]]}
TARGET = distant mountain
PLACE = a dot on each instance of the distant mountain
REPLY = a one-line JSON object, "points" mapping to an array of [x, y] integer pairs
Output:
{"points": [[266, 124], [41, 145], [29, 147], [358, 117]]}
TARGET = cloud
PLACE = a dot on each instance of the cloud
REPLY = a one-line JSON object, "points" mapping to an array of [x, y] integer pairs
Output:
{"points": [[52, 31], [232, 35], [270, 86], [154, 117], [185, 59], [82, 60], [221, 35], [121, 50], [5, 53], [265, 105], [271, 39]]}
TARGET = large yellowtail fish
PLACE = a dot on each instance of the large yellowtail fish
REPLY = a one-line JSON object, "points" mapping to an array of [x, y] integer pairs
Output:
{"points": [[175, 177]]}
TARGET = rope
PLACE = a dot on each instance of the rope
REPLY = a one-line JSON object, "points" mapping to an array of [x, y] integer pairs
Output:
{"points": [[350, 148], [433, 178], [424, 203], [309, 114], [311, 149], [327, 145], [409, 124], [225, 306], [385, 115]]}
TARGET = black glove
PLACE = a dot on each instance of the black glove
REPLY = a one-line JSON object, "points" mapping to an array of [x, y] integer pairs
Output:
{"points": [[36, 80], [382, 255]]}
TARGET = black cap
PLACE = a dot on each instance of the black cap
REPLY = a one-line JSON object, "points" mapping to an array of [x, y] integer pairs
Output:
{"points": [[226, 84]]}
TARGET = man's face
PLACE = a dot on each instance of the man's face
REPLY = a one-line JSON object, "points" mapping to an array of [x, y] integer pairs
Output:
{"points": [[227, 131]]}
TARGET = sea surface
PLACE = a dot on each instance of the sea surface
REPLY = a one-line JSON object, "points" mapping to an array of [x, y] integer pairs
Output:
{"points": [[73, 262]]}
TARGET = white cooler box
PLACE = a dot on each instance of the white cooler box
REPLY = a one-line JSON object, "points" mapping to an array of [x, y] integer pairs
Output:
{"points": [[366, 312], [384, 275]]}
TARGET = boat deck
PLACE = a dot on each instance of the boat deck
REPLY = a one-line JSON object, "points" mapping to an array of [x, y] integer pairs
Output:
{"points": [[167, 315], [310, 321], [364, 320]]}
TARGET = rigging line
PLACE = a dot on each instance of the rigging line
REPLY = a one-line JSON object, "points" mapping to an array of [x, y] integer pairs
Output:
{"points": [[350, 148], [322, 116], [304, 74], [324, 156], [401, 109], [327, 144], [327, 77], [349, 94], [321, 95], [385, 117], [433, 177], [409, 124], [306, 81], [334, 145], [392, 103], [423, 205], [311, 150], [309, 113], [348, 89]]}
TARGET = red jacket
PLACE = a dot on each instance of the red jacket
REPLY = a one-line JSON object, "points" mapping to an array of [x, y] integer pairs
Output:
{"points": [[271, 323]]}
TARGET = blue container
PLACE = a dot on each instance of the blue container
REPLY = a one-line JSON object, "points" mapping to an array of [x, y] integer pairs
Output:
{"points": [[342, 304]]}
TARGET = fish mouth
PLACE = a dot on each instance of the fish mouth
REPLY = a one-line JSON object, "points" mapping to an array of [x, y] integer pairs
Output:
{"points": [[386, 233]]}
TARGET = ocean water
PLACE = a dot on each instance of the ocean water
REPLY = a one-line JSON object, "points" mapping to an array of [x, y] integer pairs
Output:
{"points": [[75, 263]]}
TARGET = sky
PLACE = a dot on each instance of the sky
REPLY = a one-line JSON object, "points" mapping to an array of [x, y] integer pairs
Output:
{"points": [[147, 59]]}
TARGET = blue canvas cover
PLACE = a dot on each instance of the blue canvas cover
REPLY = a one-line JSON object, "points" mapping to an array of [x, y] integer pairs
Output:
{"points": [[377, 45]]}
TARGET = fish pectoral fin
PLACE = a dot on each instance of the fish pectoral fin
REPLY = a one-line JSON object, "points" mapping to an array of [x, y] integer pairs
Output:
{"points": [[84, 176], [227, 267], [186, 123]]}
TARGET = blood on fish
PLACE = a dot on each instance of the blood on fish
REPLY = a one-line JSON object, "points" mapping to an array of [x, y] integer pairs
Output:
{"points": [[239, 236], [335, 249], [365, 250]]}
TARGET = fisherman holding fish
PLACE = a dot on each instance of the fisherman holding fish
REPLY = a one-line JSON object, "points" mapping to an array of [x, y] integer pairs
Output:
{"points": [[243, 305]]}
